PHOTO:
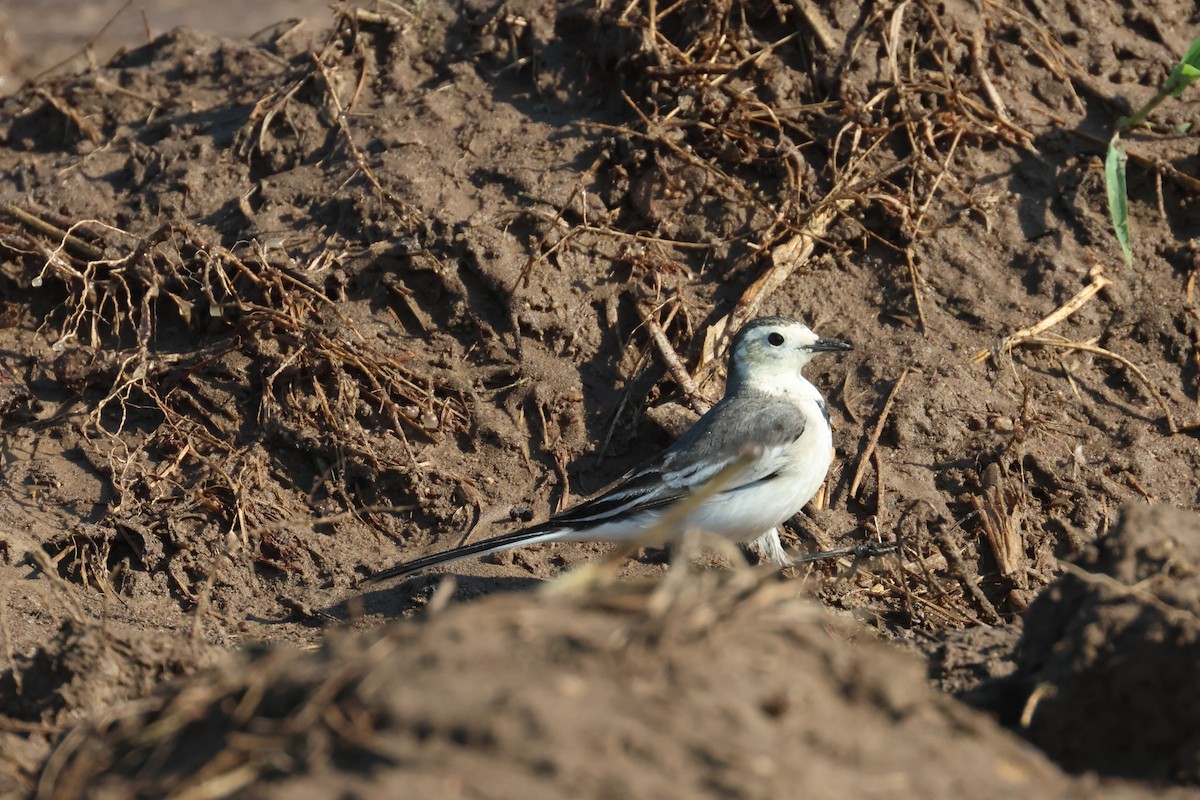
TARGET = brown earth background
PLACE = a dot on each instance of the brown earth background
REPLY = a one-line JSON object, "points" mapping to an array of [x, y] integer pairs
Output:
{"points": [[285, 302]]}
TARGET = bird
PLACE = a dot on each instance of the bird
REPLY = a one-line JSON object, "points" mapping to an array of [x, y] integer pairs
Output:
{"points": [[767, 443]]}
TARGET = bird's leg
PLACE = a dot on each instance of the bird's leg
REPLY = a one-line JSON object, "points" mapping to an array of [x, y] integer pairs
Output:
{"points": [[769, 547], [858, 552]]}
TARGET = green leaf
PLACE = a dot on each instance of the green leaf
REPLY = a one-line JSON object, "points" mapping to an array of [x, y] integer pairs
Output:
{"points": [[1118, 199], [1186, 72]]}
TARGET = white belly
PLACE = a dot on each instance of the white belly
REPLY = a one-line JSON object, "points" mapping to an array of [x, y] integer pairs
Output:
{"points": [[744, 515]]}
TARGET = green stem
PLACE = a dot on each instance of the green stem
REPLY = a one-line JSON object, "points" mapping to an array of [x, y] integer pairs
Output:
{"points": [[1137, 119]]}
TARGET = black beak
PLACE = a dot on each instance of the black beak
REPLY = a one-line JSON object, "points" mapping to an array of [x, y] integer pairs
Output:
{"points": [[829, 346]]}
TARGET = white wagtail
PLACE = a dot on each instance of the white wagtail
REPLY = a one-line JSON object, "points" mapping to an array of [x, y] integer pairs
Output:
{"points": [[771, 419]]}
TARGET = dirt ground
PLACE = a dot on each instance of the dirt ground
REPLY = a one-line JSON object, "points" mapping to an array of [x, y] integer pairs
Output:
{"points": [[276, 313]]}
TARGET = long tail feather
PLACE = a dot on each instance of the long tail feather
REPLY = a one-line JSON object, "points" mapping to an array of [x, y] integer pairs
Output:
{"points": [[498, 544]]}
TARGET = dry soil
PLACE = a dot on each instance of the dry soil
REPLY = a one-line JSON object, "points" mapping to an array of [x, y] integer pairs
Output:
{"points": [[277, 312]]}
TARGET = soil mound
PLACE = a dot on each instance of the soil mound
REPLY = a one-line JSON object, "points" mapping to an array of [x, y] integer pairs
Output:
{"points": [[1111, 649], [719, 686]]}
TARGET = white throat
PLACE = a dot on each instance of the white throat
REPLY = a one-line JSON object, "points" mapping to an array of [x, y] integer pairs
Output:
{"points": [[794, 386]]}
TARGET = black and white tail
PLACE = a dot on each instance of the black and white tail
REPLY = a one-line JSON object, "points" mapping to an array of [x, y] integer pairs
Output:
{"points": [[534, 535]]}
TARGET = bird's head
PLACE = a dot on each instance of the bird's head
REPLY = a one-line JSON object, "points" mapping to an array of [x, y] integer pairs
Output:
{"points": [[773, 350]]}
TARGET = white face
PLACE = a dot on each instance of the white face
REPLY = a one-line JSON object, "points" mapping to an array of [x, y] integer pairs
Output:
{"points": [[776, 346]]}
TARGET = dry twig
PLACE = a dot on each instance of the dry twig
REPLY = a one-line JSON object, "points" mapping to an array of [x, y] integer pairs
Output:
{"points": [[674, 365], [876, 432], [1099, 282], [964, 575], [1090, 347]]}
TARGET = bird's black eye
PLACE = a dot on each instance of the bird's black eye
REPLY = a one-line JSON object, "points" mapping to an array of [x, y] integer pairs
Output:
{"points": [[775, 338]]}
